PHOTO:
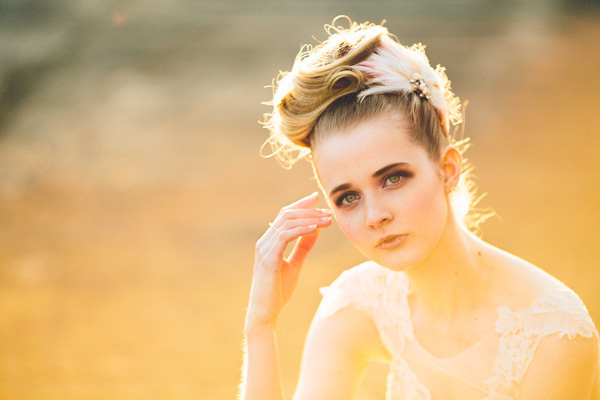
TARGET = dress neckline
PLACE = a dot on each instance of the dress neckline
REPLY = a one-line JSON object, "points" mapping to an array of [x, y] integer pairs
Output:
{"points": [[501, 311], [451, 357]]}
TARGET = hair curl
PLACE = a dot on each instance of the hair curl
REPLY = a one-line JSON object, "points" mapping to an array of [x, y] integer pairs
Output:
{"points": [[356, 74]]}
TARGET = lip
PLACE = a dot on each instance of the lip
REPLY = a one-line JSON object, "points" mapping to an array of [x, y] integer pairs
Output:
{"points": [[390, 242]]}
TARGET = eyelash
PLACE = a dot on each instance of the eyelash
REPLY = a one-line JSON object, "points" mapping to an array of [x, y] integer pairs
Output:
{"points": [[340, 201], [400, 174]]}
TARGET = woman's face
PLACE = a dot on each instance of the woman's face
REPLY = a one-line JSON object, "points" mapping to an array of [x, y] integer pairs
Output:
{"points": [[387, 195]]}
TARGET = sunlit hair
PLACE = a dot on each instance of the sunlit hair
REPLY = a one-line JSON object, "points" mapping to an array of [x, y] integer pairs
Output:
{"points": [[357, 74]]}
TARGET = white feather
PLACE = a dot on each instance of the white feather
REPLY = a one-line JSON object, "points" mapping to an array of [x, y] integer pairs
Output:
{"points": [[392, 67]]}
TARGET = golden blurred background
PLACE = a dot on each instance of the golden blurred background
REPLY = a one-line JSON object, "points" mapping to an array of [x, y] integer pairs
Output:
{"points": [[132, 191]]}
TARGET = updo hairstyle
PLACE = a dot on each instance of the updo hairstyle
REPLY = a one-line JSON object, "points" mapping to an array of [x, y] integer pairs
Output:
{"points": [[356, 74]]}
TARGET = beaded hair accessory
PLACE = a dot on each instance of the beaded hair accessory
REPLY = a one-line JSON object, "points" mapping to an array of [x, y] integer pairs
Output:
{"points": [[396, 68], [390, 68], [420, 87]]}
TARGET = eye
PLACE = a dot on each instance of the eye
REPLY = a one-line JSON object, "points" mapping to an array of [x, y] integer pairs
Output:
{"points": [[347, 199], [395, 178]]}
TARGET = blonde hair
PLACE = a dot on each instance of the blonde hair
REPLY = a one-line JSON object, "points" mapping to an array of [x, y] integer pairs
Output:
{"points": [[356, 74]]}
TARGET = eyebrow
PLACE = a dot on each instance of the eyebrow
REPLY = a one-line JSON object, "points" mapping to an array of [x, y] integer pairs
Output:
{"points": [[339, 189], [376, 174], [387, 168]]}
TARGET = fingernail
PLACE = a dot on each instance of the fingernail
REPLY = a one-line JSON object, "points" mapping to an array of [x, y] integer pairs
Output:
{"points": [[314, 226], [325, 210]]}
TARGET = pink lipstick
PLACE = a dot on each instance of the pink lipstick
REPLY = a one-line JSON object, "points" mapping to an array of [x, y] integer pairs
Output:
{"points": [[390, 242]]}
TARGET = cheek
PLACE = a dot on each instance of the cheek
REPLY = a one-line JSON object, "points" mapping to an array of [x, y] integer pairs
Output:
{"points": [[428, 207], [349, 227]]}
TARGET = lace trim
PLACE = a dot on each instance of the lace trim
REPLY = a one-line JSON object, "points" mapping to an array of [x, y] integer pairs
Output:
{"points": [[403, 383], [558, 311], [381, 293]]}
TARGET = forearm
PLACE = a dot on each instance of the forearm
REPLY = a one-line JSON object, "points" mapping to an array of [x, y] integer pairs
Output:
{"points": [[273, 281], [261, 375]]}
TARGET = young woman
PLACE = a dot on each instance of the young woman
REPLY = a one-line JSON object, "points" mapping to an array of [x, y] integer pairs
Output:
{"points": [[455, 317]]}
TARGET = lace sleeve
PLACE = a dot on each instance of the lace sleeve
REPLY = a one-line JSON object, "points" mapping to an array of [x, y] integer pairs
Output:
{"points": [[556, 312], [380, 293], [357, 286]]}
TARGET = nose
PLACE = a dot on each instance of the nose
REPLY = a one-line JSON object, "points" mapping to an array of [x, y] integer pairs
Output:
{"points": [[377, 214]]}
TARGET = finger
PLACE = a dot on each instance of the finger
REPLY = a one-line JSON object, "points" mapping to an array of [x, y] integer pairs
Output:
{"points": [[293, 223], [296, 218], [291, 212], [302, 248], [277, 247], [300, 213], [288, 213], [283, 237], [305, 244], [304, 202]]}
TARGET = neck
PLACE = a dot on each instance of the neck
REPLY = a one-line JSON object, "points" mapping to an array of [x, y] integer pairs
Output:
{"points": [[452, 280]]}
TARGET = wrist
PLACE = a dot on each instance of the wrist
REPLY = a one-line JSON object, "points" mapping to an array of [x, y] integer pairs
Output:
{"points": [[255, 328]]}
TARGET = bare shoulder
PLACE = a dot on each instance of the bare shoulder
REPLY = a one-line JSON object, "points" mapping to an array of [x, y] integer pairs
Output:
{"points": [[562, 368], [343, 338], [338, 348], [349, 330], [519, 282], [345, 316], [565, 362]]}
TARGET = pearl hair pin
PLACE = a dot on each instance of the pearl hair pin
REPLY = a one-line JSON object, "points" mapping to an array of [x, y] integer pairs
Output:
{"points": [[420, 87]]}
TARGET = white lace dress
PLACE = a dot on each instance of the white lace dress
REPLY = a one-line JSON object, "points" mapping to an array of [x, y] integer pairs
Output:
{"points": [[415, 374]]}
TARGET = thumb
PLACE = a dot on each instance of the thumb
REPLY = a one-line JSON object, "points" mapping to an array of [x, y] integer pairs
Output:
{"points": [[302, 248]]}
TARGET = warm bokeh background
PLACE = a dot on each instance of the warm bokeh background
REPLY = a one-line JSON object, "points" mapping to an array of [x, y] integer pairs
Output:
{"points": [[132, 192]]}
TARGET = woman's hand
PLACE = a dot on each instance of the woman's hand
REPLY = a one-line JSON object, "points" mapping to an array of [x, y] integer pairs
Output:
{"points": [[275, 276]]}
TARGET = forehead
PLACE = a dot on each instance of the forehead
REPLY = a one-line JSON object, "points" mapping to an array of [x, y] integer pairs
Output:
{"points": [[351, 154]]}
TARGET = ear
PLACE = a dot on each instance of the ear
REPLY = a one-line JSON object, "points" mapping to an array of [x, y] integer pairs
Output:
{"points": [[451, 163]]}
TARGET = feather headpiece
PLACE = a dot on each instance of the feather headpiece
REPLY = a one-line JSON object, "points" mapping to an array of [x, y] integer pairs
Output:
{"points": [[395, 68]]}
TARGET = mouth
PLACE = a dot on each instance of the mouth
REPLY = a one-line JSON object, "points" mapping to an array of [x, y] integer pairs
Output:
{"points": [[390, 242]]}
